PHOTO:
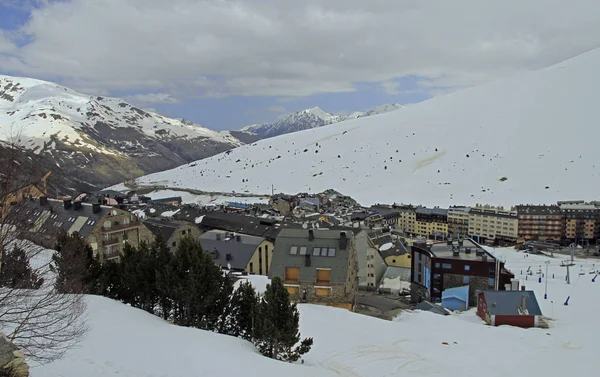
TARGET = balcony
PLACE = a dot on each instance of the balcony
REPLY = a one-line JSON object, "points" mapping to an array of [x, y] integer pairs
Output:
{"points": [[111, 241], [120, 227], [111, 255]]}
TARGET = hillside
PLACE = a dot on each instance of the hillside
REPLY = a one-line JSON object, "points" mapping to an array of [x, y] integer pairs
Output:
{"points": [[124, 341], [528, 139], [99, 140], [311, 118]]}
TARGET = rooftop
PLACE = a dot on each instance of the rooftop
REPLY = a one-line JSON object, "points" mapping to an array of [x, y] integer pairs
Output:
{"points": [[432, 211], [508, 302], [164, 228], [443, 250], [538, 210], [227, 248]]}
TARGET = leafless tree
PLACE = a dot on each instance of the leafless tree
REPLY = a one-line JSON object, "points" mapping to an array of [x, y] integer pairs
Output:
{"points": [[42, 322]]}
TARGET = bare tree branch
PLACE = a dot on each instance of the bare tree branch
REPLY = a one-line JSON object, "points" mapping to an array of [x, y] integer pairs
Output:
{"points": [[42, 322]]}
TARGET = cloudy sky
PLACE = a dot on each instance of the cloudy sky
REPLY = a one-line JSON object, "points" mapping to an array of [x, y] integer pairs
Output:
{"points": [[229, 63]]}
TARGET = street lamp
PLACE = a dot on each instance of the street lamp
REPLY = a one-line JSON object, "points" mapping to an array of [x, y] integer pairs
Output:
{"points": [[546, 287]]}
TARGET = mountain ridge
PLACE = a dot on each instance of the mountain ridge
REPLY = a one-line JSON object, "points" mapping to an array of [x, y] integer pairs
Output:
{"points": [[311, 118], [102, 140]]}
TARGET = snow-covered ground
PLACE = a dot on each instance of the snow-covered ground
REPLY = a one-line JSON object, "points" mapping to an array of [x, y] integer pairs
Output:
{"points": [[520, 140], [205, 200], [129, 342]]}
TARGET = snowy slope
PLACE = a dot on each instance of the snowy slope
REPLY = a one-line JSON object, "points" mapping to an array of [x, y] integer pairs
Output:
{"points": [[98, 133], [538, 130], [311, 118], [129, 342]]}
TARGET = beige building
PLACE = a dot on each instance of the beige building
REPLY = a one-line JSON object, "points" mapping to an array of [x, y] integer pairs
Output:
{"points": [[408, 218], [238, 252], [580, 221], [106, 229], [458, 221], [431, 222], [172, 231], [493, 224]]}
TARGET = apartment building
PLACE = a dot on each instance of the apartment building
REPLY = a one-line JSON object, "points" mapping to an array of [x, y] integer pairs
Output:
{"points": [[317, 266], [458, 220], [493, 224], [539, 222], [581, 221], [408, 218], [431, 222]]}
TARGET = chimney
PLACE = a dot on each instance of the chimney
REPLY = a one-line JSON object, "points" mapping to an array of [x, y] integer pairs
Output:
{"points": [[77, 205], [467, 250], [523, 303], [311, 235], [343, 241], [238, 238], [228, 257], [43, 200], [95, 207], [514, 284], [522, 287], [67, 203]]}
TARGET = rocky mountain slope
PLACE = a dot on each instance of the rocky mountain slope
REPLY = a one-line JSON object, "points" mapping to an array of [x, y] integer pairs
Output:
{"points": [[311, 118], [520, 140], [100, 140]]}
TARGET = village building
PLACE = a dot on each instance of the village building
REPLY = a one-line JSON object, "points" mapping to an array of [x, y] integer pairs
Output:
{"points": [[390, 215], [539, 222], [238, 252], [493, 225], [581, 221], [172, 231], [267, 228], [431, 222], [408, 218], [513, 308], [317, 266], [458, 221], [106, 229], [454, 263]]}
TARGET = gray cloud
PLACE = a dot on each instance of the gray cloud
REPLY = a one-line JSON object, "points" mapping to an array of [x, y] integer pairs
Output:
{"points": [[152, 98], [215, 48]]}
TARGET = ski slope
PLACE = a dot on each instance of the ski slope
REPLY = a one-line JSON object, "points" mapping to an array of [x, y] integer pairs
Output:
{"points": [[528, 139], [129, 342]]}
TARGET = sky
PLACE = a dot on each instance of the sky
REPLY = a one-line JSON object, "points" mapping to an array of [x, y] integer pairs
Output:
{"points": [[230, 63]]}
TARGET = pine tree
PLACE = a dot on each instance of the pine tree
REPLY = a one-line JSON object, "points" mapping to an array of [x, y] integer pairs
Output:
{"points": [[238, 319], [163, 276], [276, 325], [75, 264], [17, 272], [109, 281]]}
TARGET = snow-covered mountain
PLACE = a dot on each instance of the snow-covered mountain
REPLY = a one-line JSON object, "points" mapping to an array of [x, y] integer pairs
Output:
{"points": [[311, 118], [100, 139], [528, 139]]}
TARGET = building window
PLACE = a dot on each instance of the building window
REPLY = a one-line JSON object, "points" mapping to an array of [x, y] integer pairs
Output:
{"points": [[491, 282], [292, 290], [437, 265], [321, 292], [292, 274], [316, 251], [393, 261], [323, 276], [107, 224], [251, 267], [303, 250], [266, 260], [467, 268], [331, 252], [446, 266], [294, 250], [466, 279]]}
